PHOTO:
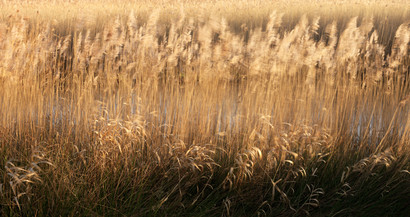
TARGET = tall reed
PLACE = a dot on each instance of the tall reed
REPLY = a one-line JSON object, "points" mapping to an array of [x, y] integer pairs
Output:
{"points": [[201, 115]]}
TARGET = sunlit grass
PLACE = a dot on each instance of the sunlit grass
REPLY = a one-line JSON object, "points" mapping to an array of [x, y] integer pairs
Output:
{"points": [[204, 108]]}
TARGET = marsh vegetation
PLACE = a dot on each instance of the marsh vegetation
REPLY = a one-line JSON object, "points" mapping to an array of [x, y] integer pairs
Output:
{"points": [[203, 108]]}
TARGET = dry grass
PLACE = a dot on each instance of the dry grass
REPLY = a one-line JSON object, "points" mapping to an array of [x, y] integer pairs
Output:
{"points": [[255, 109]]}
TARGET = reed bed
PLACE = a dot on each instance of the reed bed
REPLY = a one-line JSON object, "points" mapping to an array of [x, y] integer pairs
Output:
{"points": [[169, 109]]}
